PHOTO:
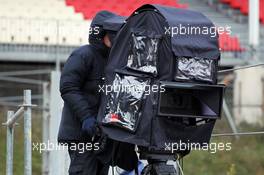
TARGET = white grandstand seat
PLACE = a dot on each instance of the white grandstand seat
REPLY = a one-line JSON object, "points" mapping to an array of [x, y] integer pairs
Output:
{"points": [[35, 22], [69, 34], [3, 31]]}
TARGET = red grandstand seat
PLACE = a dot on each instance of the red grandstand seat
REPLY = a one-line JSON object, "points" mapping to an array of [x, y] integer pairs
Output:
{"points": [[119, 6], [226, 1], [228, 43], [125, 8], [234, 45], [221, 41], [237, 44], [261, 11], [69, 2], [236, 4], [244, 7]]}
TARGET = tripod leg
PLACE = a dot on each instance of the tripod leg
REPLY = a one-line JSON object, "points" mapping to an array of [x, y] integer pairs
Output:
{"points": [[159, 169], [146, 170]]}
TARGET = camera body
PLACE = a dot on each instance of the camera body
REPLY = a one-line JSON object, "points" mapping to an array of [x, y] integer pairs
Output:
{"points": [[188, 101]]}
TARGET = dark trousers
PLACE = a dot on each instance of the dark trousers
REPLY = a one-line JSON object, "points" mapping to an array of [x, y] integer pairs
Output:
{"points": [[86, 164]]}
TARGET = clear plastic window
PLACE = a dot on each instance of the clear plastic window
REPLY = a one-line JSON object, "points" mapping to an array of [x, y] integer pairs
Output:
{"points": [[125, 101], [143, 53], [196, 69]]}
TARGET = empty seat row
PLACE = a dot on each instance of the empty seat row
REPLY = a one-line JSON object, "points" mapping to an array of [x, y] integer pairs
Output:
{"points": [[48, 9], [42, 15], [229, 43], [243, 6], [32, 24], [48, 32], [91, 7], [125, 8]]}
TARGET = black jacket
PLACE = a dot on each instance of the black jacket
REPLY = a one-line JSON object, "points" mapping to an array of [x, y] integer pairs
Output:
{"points": [[81, 77], [79, 86]]}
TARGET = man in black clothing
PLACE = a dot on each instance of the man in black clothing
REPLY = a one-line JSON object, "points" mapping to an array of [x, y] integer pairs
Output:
{"points": [[80, 81]]}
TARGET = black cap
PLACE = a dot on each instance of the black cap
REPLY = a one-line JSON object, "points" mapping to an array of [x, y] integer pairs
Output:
{"points": [[97, 30]]}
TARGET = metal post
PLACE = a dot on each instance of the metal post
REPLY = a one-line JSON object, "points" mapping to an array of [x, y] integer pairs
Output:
{"points": [[254, 23], [58, 157], [57, 63], [27, 133], [230, 118], [9, 145], [45, 128], [254, 30], [15, 117]]}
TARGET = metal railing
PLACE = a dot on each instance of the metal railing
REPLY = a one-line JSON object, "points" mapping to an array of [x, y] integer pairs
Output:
{"points": [[12, 117]]}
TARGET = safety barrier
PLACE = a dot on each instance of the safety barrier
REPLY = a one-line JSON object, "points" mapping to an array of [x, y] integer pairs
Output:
{"points": [[12, 117]]}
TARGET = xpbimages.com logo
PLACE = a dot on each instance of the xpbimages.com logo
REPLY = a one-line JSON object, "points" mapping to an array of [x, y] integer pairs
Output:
{"points": [[211, 147], [50, 146], [197, 30], [131, 88]]}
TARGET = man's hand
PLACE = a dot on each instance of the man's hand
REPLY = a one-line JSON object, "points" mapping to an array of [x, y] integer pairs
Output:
{"points": [[100, 138], [89, 126]]}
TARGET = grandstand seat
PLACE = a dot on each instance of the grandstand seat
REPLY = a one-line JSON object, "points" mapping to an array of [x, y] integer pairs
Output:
{"points": [[226, 1], [228, 43], [35, 22], [261, 11], [124, 8], [236, 4], [243, 5], [38, 9], [67, 22]]}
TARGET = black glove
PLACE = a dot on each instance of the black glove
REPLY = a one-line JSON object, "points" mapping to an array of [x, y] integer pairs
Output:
{"points": [[101, 139], [89, 126]]}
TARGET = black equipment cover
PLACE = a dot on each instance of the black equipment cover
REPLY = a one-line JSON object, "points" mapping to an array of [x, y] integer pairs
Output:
{"points": [[145, 53]]}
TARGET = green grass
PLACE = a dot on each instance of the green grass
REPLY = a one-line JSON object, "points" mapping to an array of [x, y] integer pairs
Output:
{"points": [[246, 156]]}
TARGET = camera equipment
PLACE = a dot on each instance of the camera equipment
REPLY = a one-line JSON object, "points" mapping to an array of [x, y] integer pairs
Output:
{"points": [[158, 162], [188, 100]]}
